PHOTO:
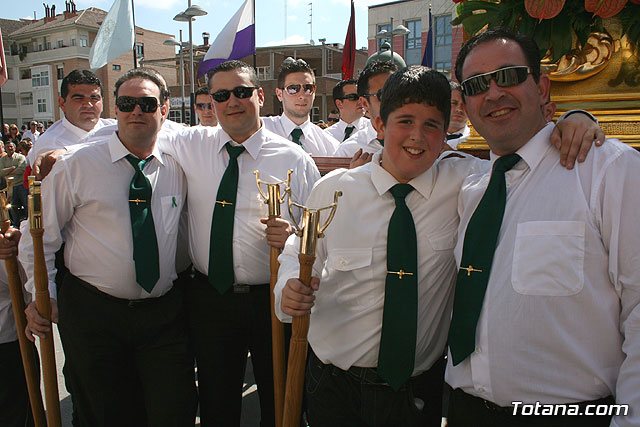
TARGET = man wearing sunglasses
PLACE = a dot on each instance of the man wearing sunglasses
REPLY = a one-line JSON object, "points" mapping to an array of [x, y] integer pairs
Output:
{"points": [[347, 100], [31, 133], [549, 311], [297, 92], [204, 107], [116, 203], [228, 300]]}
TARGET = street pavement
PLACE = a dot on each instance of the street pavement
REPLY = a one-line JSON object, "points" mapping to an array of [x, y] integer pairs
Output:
{"points": [[250, 402]]}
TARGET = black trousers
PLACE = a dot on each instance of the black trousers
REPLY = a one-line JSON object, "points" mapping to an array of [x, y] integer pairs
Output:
{"points": [[128, 363], [358, 397], [471, 411], [15, 410], [222, 329]]}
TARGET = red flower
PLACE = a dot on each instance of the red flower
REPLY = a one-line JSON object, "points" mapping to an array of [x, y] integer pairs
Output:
{"points": [[543, 9], [605, 8]]}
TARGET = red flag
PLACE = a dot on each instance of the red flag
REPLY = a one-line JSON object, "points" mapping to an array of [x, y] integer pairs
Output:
{"points": [[349, 51], [3, 65]]}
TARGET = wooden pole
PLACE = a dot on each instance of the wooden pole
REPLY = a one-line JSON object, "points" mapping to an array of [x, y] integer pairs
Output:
{"points": [[277, 343], [29, 364], [43, 304]]}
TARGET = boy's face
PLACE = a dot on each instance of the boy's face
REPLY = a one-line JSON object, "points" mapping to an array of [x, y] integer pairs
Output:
{"points": [[413, 138]]}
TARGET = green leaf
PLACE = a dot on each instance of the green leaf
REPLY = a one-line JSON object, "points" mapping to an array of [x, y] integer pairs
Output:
{"points": [[561, 40]]}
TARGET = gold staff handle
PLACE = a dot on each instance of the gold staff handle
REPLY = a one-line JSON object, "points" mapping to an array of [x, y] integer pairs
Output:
{"points": [[43, 304], [31, 369], [274, 200], [309, 232]]}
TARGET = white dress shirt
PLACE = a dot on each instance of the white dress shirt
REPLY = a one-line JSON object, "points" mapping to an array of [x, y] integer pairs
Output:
{"points": [[61, 134], [7, 322], [367, 139], [346, 321], [201, 153], [560, 321], [453, 143], [32, 136], [337, 130], [85, 204], [314, 140]]}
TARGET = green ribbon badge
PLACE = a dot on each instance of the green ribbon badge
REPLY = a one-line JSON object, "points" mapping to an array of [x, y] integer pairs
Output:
{"points": [[173, 202]]}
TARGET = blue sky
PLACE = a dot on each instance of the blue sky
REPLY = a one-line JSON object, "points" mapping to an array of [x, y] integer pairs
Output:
{"points": [[330, 17]]}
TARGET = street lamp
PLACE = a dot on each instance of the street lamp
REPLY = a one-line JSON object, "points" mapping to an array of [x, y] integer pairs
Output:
{"points": [[173, 42], [400, 30], [188, 16]]}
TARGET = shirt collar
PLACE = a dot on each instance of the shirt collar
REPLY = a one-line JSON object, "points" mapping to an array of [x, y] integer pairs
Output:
{"points": [[252, 145], [383, 180], [534, 150], [119, 151], [288, 126], [80, 133]]}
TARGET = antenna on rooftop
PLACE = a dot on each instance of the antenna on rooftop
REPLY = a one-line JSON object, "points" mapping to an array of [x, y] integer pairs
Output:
{"points": [[285, 19], [310, 22]]}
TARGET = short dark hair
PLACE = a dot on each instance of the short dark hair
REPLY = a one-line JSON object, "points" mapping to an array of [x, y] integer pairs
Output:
{"points": [[373, 69], [526, 43], [290, 66], [416, 85], [234, 65], [79, 77], [202, 90], [334, 112], [145, 74], [338, 89]]}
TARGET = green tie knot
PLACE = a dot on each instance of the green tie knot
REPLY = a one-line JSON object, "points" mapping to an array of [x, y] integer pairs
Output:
{"points": [[505, 163], [296, 133], [348, 131], [400, 191], [234, 150]]}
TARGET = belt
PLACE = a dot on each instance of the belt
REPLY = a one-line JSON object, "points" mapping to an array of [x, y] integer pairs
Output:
{"points": [[238, 288]]}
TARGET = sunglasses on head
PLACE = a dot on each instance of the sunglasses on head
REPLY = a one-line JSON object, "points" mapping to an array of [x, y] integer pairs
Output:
{"points": [[308, 88], [504, 77], [333, 120], [241, 92], [378, 95], [203, 105], [126, 104], [351, 97]]}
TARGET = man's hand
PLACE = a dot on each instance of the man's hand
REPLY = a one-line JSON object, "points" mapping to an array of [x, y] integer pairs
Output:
{"points": [[9, 243], [297, 299], [573, 136], [277, 231], [36, 324], [44, 163], [360, 158]]}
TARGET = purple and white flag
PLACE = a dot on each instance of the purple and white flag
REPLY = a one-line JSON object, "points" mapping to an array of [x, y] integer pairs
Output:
{"points": [[235, 41]]}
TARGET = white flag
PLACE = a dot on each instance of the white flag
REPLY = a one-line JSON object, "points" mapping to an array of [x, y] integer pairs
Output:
{"points": [[116, 35]]}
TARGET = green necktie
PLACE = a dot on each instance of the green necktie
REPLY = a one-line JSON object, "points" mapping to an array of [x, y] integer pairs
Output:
{"points": [[348, 131], [220, 246], [399, 324], [296, 133], [480, 242], [145, 244], [381, 141]]}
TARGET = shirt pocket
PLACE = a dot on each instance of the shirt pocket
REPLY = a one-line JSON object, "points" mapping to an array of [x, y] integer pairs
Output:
{"points": [[355, 274], [171, 208], [443, 239], [548, 258]]}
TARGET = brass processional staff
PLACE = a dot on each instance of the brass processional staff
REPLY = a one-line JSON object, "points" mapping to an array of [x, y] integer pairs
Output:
{"points": [[31, 373], [274, 199], [309, 232], [43, 304]]}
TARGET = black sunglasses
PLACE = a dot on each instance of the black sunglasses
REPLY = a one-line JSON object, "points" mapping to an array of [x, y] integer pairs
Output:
{"points": [[241, 92], [126, 104], [378, 95], [333, 120], [504, 77], [351, 97], [308, 88], [203, 105]]}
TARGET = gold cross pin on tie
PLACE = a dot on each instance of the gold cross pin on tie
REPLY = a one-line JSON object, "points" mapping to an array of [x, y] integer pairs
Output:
{"points": [[224, 203], [400, 273], [470, 269], [137, 201]]}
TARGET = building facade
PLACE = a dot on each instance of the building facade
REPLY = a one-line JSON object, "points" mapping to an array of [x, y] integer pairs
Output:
{"points": [[414, 14], [40, 53]]}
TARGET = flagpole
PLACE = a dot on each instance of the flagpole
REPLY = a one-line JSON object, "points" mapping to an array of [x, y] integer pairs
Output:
{"points": [[133, 14], [254, 35]]}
